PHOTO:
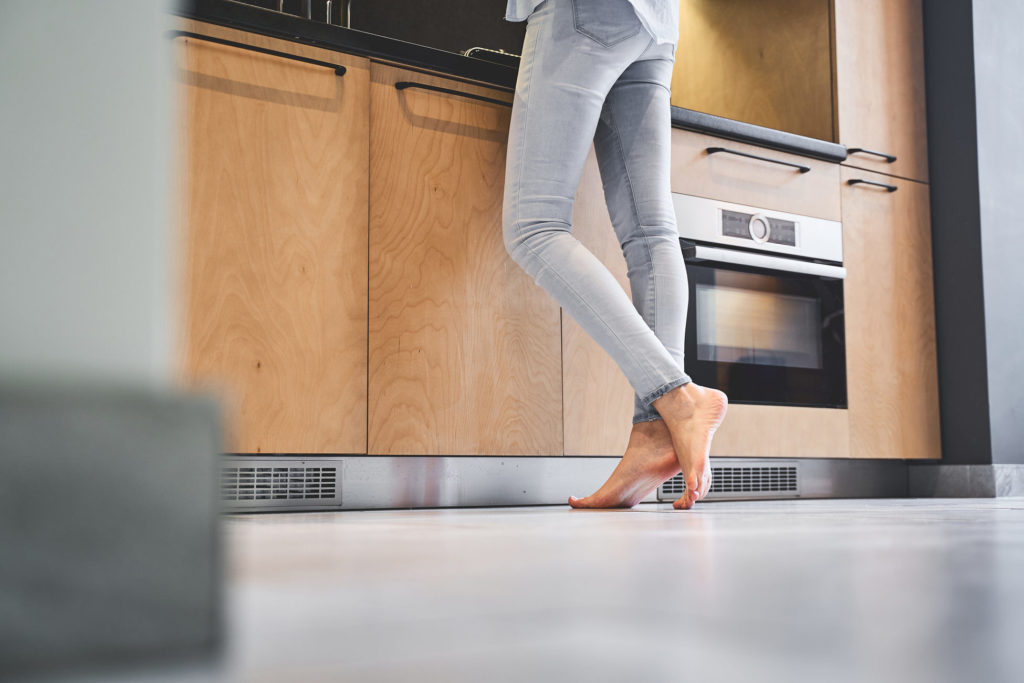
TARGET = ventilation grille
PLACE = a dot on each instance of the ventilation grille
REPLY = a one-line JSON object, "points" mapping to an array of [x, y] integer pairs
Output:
{"points": [[278, 484], [742, 481]]}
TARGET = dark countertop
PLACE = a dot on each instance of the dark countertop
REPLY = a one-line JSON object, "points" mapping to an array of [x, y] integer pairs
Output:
{"points": [[290, 27]]}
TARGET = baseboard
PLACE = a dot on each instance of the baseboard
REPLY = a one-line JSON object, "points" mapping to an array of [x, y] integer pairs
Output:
{"points": [[255, 483], [938, 480]]}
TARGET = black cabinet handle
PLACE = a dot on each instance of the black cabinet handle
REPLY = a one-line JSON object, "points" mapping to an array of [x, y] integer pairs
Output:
{"points": [[338, 68], [799, 167], [860, 150], [861, 181], [402, 85]]}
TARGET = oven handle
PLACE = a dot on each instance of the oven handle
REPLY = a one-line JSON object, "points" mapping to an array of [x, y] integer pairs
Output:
{"points": [[745, 258]]}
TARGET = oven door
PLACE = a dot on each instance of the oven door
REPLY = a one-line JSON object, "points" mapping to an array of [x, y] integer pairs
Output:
{"points": [[765, 329]]}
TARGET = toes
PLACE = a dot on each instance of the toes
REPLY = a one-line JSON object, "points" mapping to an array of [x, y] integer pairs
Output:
{"points": [[684, 503]]}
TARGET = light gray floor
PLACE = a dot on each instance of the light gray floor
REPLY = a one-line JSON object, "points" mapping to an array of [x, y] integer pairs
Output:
{"points": [[908, 590]]}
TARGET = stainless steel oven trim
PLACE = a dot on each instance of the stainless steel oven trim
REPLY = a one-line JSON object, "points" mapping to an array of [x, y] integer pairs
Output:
{"points": [[788, 265], [700, 219]]}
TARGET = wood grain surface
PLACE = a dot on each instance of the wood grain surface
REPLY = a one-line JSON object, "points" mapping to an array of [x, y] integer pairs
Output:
{"points": [[880, 84], [464, 351], [273, 276], [751, 181], [783, 432], [890, 321], [766, 62]]}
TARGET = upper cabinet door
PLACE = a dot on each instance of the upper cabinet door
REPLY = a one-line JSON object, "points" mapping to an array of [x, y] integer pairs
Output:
{"points": [[464, 349], [274, 246], [880, 85]]}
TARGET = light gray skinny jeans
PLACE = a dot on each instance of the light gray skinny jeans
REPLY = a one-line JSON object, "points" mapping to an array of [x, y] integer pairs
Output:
{"points": [[591, 72]]}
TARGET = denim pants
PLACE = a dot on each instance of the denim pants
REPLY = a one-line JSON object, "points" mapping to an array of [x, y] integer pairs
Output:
{"points": [[589, 73]]}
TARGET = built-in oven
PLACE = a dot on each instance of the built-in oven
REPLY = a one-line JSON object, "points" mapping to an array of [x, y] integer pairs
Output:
{"points": [[765, 317]]}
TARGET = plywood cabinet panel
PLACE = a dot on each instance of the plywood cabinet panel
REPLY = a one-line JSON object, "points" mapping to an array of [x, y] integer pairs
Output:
{"points": [[759, 431], [766, 62], [752, 181], [464, 351], [890, 321], [274, 167], [880, 84]]}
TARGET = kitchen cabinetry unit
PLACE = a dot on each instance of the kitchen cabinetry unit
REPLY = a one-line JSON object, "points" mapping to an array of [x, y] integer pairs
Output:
{"points": [[766, 62], [733, 178], [890, 328], [274, 240], [464, 351], [880, 85]]}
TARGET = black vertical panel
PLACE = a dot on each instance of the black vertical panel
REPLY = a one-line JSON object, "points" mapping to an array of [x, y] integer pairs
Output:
{"points": [[956, 232]]}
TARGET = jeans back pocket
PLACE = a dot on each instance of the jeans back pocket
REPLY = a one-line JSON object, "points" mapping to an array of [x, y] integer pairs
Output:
{"points": [[607, 21]]}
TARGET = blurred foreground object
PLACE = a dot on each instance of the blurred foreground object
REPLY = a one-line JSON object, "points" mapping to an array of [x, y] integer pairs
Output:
{"points": [[108, 503], [108, 525]]}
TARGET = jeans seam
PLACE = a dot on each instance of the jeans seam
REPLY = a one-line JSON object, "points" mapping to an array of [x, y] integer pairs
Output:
{"points": [[523, 137], [576, 27], [569, 287], [636, 215], [663, 389]]}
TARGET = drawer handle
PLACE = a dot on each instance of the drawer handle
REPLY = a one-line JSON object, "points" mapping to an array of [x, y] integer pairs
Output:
{"points": [[402, 85], [338, 68], [862, 181], [860, 150], [799, 167]]}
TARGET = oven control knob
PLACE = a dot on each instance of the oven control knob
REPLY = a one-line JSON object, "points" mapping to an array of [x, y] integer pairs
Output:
{"points": [[760, 229]]}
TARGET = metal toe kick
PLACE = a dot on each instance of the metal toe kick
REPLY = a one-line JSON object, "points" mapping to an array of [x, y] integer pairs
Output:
{"points": [[279, 483]]}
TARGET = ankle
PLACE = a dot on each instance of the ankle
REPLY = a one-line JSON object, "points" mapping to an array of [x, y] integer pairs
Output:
{"points": [[650, 433], [677, 404]]}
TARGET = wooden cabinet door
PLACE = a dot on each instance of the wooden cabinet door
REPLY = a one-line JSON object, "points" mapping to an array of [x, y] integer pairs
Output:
{"points": [[880, 84], [275, 195], [892, 375], [464, 354], [732, 178]]}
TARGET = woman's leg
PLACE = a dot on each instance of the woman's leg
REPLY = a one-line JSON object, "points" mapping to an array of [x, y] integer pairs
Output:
{"points": [[633, 150], [633, 153], [564, 78], [633, 146]]}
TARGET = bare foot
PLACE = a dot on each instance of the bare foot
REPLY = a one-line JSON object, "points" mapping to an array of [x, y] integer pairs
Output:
{"points": [[692, 414], [649, 461]]}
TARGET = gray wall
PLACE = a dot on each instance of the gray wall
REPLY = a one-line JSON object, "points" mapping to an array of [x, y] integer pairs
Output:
{"points": [[85, 250], [999, 88], [975, 98]]}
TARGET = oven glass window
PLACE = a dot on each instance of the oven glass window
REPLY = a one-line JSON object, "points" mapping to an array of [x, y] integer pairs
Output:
{"points": [[742, 320], [766, 336]]}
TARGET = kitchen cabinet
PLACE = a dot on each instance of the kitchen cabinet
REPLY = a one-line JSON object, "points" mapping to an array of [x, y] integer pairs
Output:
{"points": [[274, 240], [766, 62], [344, 280], [757, 182], [892, 374], [880, 85], [464, 348]]}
